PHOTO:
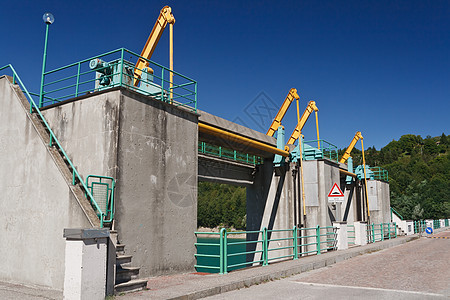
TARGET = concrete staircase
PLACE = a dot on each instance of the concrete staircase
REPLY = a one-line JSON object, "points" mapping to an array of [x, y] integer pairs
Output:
{"points": [[58, 158], [126, 277], [399, 230]]}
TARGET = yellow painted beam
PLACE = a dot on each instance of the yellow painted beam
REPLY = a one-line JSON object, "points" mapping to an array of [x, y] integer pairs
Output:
{"points": [[356, 138], [283, 109], [165, 17], [347, 173], [298, 129], [240, 139]]}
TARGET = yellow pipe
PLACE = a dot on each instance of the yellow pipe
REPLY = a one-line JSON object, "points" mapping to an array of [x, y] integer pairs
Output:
{"points": [[301, 171], [317, 127], [365, 177], [171, 60], [240, 139], [347, 173]]}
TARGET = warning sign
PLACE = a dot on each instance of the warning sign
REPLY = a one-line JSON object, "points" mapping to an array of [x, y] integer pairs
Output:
{"points": [[335, 195]]}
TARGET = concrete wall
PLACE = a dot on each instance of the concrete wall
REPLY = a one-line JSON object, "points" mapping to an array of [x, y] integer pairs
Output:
{"points": [[150, 148], [88, 131], [270, 205], [320, 176], [379, 201], [36, 203], [157, 184]]}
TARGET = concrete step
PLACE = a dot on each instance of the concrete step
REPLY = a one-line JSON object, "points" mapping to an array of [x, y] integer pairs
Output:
{"points": [[130, 286], [125, 274], [123, 259], [120, 248]]}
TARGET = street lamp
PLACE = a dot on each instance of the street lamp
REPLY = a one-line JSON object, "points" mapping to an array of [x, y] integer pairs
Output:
{"points": [[48, 20]]}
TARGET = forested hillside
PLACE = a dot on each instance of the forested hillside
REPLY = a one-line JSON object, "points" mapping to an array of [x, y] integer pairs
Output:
{"points": [[419, 174], [419, 178]]}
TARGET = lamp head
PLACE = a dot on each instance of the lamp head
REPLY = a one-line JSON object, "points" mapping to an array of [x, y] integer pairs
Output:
{"points": [[48, 18]]}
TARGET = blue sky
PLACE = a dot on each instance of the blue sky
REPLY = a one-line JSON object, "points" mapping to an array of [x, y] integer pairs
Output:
{"points": [[381, 67]]}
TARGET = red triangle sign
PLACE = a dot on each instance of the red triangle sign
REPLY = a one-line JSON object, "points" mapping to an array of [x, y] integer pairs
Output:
{"points": [[335, 191]]}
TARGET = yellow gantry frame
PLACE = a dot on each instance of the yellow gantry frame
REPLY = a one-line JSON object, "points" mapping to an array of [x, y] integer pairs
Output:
{"points": [[165, 17], [358, 136], [301, 122], [283, 109]]}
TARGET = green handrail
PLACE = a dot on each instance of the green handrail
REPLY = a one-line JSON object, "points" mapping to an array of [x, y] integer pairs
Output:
{"points": [[396, 212], [53, 138]]}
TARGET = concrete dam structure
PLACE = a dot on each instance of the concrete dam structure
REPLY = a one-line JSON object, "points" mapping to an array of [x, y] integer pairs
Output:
{"points": [[150, 148]]}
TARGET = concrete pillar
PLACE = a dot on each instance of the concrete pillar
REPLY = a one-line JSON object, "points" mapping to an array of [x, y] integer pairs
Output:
{"points": [[429, 223], [85, 263], [342, 235], [409, 227], [360, 233]]}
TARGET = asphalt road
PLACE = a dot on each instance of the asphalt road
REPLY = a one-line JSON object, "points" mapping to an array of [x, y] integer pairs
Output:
{"points": [[416, 270]]}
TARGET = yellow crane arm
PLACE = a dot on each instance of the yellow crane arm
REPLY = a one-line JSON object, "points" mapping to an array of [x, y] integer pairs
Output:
{"points": [[356, 138], [283, 109], [298, 129], [165, 17]]}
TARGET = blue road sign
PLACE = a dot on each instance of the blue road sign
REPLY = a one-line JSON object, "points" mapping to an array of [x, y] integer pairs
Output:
{"points": [[429, 230]]}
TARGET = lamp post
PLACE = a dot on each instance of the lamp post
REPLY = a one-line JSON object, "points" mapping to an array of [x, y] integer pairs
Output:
{"points": [[48, 19]]}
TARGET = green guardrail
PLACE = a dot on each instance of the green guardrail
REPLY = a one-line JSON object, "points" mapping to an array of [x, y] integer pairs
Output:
{"points": [[229, 252], [226, 153], [76, 178], [380, 173], [351, 234], [436, 224], [117, 69], [380, 232], [327, 150], [420, 226]]}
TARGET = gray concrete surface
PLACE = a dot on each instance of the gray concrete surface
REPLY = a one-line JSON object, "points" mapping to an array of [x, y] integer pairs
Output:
{"points": [[10, 290], [195, 285], [150, 148], [226, 125], [157, 184], [34, 197], [218, 170]]}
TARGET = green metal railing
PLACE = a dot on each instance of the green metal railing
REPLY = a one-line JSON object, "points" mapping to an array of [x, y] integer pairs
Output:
{"points": [[117, 69], [76, 178], [351, 234], [396, 212], [226, 153], [287, 244], [327, 150], [102, 189], [420, 226], [380, 232], [436, 224], [380, 173]]}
